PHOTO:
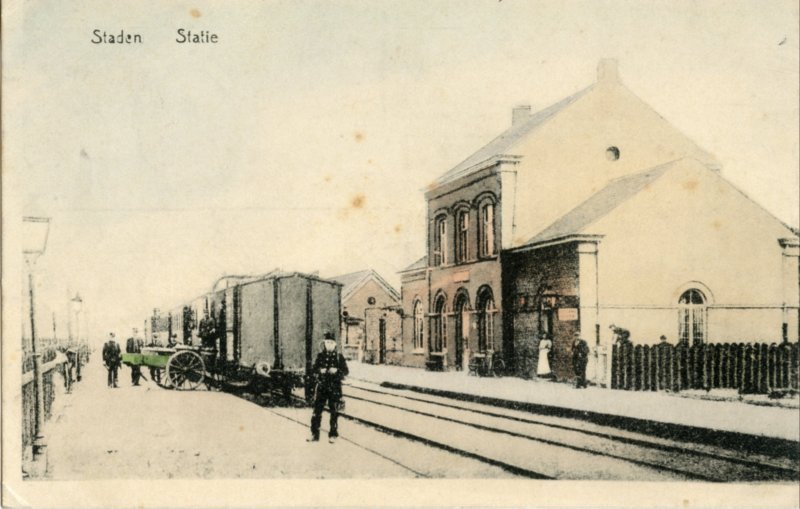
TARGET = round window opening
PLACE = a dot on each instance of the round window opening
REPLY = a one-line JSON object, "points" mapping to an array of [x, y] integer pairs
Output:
{"points": [[612, 153], [371, 301]]}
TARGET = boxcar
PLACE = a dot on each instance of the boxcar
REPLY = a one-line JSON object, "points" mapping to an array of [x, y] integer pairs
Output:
{"points": [[267, 330]]}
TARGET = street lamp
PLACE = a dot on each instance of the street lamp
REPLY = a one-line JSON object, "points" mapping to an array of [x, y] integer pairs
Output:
{"points": [[77, 304], [35, 233]]}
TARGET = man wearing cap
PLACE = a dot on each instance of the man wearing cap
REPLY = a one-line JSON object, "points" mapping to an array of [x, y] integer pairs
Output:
{"points": [[155, 373], [330, 368], [580, 358], [111, 359]]}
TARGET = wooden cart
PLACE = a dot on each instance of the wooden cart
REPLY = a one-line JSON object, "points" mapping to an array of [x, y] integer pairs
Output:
{"points": [[185, 367]]}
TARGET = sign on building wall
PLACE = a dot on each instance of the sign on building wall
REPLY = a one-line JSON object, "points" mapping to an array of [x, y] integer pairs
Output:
{"points": [[567, 314]]}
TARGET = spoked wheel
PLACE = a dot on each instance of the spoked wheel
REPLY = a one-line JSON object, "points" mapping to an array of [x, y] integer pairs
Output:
{"points": [[185, 371], [498, 367]]}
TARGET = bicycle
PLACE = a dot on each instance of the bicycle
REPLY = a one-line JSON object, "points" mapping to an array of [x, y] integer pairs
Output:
{"points": [[487, 364]]}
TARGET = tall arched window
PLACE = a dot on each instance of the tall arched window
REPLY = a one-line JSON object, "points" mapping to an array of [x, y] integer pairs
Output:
{"points": [[487, 229], [462, 243], [440, 247], [692, 317], [438, 324], [486, 312], [419, 325]]}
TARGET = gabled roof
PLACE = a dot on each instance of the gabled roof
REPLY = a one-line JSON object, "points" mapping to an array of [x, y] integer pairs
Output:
{"points": [[508, 139], [419, 264], [574, 223], [353, 281], [599, 204]]}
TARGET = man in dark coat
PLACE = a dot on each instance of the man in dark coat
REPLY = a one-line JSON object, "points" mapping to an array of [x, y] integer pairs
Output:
{"points": [[155, 373], [580, 358], [111, 359], [132, 346], [330, 368]]}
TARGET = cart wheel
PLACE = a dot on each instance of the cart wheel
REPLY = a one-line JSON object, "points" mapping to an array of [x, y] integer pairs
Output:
{"points": [[162, 379], [185, 371], [498, 367]]}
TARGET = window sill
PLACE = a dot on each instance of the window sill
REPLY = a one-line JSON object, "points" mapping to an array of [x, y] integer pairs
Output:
{"points": [[418, 351]]}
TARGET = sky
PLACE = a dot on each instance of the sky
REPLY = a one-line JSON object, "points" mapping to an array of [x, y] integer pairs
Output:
{"points": [[305, 137]]}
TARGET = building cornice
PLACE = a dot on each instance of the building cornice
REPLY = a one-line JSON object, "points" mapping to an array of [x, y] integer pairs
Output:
{"points": [[472, 174], [557, 241]]}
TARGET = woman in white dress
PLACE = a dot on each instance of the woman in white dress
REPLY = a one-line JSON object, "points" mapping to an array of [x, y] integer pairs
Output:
{"points": [[543, 367]]}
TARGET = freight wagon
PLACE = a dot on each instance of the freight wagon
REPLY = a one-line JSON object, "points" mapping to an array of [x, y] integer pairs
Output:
{"points": [[255, 334]]}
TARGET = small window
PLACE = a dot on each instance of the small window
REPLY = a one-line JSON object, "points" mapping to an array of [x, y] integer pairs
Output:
{"points": [[487, 230], [462, 251], [371, 301], [612, 153], [419, 325], [440, 247]]}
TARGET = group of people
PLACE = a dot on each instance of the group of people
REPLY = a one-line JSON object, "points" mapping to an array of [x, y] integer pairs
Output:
{"points": [[329, 369], [580, 359], [112, 359]]}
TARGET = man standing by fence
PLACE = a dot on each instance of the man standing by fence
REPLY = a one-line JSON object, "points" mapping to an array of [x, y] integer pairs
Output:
{"points": [[580, 358], [111, 359]]}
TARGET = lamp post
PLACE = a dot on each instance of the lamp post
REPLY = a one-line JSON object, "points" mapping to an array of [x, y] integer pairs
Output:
{"points": [[35, 232], [77, 304]]}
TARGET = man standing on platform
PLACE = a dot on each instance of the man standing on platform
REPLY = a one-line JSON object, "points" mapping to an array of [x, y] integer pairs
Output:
{"points": [[132, 346], [111, 359], [330, 368], [580, 358]]}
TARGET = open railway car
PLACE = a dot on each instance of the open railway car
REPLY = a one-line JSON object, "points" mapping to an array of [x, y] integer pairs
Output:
{"points": [[262, 332]]}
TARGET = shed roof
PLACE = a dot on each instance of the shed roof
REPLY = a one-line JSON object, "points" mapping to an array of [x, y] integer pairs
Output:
{"points": [[419, 264], [599, 204]]}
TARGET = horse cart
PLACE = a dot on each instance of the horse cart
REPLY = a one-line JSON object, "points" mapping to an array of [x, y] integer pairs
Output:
{"points": [[182, 367]]}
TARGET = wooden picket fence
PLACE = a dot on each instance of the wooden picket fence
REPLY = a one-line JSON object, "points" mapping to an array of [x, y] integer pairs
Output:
{"points": [[750, 368]]}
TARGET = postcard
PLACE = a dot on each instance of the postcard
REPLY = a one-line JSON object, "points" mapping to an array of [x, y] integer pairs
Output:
{"points": [[400, 254]]}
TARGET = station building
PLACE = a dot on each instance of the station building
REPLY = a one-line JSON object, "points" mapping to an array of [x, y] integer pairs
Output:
{"points": [[592, 212]]}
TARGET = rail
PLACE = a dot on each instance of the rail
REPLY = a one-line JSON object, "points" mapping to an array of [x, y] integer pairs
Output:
{"points": [[53, 362]]}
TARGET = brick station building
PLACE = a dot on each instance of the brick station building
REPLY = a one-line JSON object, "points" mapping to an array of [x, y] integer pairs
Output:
{"points": [[591, 212]]}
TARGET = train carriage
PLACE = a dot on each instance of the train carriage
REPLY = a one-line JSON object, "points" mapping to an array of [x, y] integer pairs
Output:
{"points": [[258, 333]]}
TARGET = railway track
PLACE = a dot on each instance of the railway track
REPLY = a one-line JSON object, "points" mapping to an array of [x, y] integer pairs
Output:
{"points": [[545, 447]]}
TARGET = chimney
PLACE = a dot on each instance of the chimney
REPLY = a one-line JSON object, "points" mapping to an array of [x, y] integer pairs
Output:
{"points": [[520, 113], [607, 71]]}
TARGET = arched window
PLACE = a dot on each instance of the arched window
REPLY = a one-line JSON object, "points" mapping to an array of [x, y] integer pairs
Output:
{"points": [[461, 313], [487, 229], [419, 325], [692, 317], [486, 312], [462, 243], [440, 247], [438, 324]]}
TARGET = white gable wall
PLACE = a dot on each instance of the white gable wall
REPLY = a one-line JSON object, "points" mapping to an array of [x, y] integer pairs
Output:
{"points": [[693, 226], [564, 160]]}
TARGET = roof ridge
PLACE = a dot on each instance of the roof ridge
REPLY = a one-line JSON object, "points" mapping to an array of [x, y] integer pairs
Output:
{"points": [[535, 120]]}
